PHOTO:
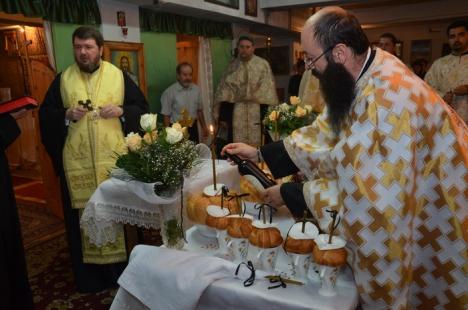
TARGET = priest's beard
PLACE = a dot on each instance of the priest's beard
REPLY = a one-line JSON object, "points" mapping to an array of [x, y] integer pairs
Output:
{"points": [[88, 65], [337, 86]]}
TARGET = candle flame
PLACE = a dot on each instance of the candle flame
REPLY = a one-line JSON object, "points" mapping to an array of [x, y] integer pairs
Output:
{"points": [[211, 129]]}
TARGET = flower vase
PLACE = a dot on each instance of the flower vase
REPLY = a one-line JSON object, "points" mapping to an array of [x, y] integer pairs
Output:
{"points": [[171, 226]]}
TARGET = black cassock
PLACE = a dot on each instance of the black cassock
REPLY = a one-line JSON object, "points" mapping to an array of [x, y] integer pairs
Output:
{"points": [[14, 286], [88, 277], [281, 165]]}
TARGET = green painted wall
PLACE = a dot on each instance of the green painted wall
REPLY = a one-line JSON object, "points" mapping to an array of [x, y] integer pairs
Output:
{"points": [[160, 63], [221, 55], [160, 58]]}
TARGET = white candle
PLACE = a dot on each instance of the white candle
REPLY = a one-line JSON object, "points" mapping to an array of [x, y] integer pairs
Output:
{"points": [[213, 155]]}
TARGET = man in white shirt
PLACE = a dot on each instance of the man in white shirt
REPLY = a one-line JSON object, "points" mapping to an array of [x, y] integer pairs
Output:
{"points": [[183, 100]]}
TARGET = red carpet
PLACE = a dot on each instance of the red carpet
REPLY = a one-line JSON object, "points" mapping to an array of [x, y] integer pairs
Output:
{"points": [[21, 180], [29, 191]]}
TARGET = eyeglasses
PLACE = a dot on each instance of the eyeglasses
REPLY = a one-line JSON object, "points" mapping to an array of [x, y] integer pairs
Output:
{"points": [[310, 63]]}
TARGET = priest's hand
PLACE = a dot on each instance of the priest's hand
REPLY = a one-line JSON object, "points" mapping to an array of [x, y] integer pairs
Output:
{"points": [[76, 113], [272, 196], [242, 150], [110, 111]]}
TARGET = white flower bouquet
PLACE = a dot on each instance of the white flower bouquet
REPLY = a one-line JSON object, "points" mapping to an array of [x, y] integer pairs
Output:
{"points": [[284, 118], [159, 156]]}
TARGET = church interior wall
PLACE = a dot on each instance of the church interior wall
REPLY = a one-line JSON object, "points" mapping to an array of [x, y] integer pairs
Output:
{"points": [[427, 31], [109, 27], [160, 64]]}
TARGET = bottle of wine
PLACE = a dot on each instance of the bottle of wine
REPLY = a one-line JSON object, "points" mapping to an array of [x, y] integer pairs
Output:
{"points": [[247, 167]]}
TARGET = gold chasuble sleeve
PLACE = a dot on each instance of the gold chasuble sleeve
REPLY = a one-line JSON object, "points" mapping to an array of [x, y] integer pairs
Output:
{"points": [[92, 143], [400, 166], [247, 84]]}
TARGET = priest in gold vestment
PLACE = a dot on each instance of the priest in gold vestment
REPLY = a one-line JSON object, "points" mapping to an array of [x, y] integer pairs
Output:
{"points": [[85, 114], [391, 157], [449, 75], [247, 83]]}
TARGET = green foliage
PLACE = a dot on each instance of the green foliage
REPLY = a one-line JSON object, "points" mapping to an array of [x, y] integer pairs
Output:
{"points": [[287, 119], [160, 161], [174, 232]]}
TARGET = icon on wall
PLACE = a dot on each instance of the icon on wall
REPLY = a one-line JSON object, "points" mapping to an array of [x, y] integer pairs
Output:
{"points": [[129, 58], [251, 8], [121, 21]]}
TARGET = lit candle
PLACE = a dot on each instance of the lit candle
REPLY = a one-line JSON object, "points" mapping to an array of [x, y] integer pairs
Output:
{"points": [[213, 155]]}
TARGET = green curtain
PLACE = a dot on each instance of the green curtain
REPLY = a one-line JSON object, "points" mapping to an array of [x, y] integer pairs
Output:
{"points": [[83, 12], [171, 23], [29, 8]]}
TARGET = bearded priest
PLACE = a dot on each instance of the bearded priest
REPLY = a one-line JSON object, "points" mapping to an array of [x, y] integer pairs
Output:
{"points": [[88, 109], [391, 157]]}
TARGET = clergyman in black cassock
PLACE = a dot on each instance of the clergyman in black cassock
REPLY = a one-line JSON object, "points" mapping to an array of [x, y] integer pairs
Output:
{"points": [[88, 277], [14, 285]]}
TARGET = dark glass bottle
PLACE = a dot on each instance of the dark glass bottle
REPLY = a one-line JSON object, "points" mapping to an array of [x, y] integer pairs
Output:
{"points": [[247, 167]]}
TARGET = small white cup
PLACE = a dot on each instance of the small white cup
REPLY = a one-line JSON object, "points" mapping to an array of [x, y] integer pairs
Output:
{"points": [[328, 280], [223, 239], [206, 231], [299, 266], [238, 248], [261, 258]]}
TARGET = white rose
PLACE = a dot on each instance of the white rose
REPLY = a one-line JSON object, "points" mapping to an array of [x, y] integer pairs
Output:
{"points": [[173, 135], [133, 141], [148, 122], [177, 126], [284, 107]]}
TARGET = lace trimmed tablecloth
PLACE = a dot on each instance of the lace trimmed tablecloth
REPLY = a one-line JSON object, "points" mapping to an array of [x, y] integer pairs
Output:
{"points": [[116, 202]]}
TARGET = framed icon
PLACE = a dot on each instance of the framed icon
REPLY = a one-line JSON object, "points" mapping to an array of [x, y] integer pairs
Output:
{"points": [[129, 58]]}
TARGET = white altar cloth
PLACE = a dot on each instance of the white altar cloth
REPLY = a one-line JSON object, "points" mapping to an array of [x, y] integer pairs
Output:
{"points": [[137, 282], [116, 202]]}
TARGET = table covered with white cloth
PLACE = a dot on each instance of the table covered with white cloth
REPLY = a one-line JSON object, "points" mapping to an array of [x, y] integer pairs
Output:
{"points": [[159, 278], [116, 202]]}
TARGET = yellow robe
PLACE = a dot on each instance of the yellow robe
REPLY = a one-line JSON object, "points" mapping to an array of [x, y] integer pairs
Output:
{"points": [[92, 143], [309, 92], [398, 176], [247, 84], [446, 74]]}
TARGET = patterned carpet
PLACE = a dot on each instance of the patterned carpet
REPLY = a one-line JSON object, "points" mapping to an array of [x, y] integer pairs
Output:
{"points": [[29, 190], [51, 279], [38, 225], [47, 255], [49, 265]]}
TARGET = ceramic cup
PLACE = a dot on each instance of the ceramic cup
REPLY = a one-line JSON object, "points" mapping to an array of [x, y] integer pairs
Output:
{"points": [[328, 280], [238, 248], [223, 239], [299, 266], [206, 231], [263, 259]]}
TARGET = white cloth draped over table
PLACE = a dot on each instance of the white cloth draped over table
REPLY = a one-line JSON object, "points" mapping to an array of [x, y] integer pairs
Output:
{"points": [[168, 287], [116, 202], [157, 278]]}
